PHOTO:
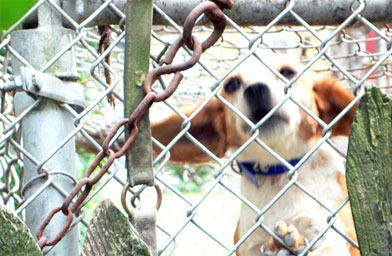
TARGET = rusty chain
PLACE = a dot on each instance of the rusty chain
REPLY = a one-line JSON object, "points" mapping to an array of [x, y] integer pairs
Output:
{"points": [[213, 11]]}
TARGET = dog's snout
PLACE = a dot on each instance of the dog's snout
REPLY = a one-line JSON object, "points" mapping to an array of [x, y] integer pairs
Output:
{"points": [[258, 92], [258, 96]]}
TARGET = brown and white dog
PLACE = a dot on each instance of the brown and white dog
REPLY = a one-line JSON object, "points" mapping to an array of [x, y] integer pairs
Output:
{"points": [[291, 133]]}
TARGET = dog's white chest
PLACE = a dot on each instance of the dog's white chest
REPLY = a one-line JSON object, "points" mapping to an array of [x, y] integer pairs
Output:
{"points": [[318, 176]]}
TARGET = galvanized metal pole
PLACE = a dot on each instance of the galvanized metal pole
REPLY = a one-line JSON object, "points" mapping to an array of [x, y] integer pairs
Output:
{"points": [[244, 12], [137, 56], [47, 125]]}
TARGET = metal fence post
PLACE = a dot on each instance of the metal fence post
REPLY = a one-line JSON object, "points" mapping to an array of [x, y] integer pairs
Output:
{"points": [[243, 12], [44, 128]]}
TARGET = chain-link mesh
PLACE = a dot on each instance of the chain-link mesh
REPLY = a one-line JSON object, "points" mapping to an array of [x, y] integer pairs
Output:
{"points": [[200, 203]]}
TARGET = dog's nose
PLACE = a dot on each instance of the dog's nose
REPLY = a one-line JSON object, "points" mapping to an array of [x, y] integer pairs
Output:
{"points": [[258, 97], [257, 92]]}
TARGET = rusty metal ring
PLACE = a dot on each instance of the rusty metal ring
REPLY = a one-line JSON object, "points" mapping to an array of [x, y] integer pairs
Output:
{"points": [[159, 196], [124, 198], [214, 14]]}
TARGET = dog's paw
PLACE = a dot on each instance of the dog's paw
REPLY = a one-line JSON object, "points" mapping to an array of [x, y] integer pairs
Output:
{"points": [[294, 242]]}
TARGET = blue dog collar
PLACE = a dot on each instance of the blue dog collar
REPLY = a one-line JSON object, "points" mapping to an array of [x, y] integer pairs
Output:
{"points": [[252, 169]]}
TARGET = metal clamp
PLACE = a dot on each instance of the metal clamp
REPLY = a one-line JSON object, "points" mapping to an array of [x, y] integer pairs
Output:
{"points": [[44, 85]]}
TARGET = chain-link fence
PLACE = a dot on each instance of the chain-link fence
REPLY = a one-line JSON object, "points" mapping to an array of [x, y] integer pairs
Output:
{"points": [[200, 202]]}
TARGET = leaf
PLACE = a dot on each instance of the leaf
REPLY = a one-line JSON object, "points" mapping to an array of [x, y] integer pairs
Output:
{"points": [[11, 11]]}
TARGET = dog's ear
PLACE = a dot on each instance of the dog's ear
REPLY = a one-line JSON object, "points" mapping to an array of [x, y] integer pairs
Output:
{"points": [[331, 98], [208, 127]]}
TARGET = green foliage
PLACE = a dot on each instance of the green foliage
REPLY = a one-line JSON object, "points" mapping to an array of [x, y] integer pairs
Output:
{"points": [[11, 11], [84, 160]]}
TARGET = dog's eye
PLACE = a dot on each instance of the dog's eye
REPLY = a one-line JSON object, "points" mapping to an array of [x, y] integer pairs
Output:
{"points": [[287, 72], [232, 85]]}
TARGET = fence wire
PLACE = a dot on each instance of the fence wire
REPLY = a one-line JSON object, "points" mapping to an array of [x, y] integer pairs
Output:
{"points": [[200, 203]]}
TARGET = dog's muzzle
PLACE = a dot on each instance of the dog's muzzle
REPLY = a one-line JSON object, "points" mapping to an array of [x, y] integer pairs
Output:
{"points": [[258, 97]]}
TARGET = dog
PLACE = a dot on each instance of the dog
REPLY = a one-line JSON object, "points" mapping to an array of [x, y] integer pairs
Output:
{"points": [[290, 132]]}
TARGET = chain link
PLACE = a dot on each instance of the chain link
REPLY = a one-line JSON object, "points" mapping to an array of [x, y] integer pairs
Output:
{"points": [[213, 10]]}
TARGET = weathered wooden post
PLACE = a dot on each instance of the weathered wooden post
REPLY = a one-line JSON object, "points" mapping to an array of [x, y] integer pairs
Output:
{"points": [[16, 238], [369, 173], [137, 56], [139, 156], [112, 229]]}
